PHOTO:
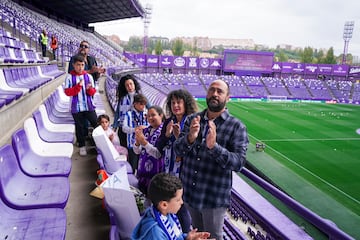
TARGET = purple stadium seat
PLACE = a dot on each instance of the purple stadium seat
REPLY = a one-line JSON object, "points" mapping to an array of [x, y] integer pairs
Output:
{"points": [[61, 107], [113, 234], [48, 135], [56, 116], [21, 191], [40, 147], [133, 181], [55, 127], [2, 102], [8, 98], [122, 210], [100, 161], [51, 70], [5, 55], [35, 165], [32, 224]]}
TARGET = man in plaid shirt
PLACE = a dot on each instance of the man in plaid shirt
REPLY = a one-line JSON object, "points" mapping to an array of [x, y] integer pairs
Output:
{"points": [[212, 145]]}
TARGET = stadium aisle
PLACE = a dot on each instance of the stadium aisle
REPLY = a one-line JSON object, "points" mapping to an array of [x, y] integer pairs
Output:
{"points": [[86, 217]]}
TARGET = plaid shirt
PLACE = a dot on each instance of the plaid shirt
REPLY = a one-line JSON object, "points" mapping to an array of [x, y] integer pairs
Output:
{"points": [[207, 174]]}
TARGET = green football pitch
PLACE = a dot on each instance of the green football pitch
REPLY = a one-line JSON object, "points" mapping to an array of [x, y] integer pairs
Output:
{"points": [[312, 153]]}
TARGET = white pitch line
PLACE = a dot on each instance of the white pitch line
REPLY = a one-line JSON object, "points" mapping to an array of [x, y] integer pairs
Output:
{"points": [[311, 173], [308, 139]]}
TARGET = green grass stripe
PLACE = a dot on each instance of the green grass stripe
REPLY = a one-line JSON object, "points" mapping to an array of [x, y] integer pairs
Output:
{"points": [[313, 153]]}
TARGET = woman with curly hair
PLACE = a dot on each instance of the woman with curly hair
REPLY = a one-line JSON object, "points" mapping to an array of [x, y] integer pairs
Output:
{"points": [[179, 104], [128, 86]]}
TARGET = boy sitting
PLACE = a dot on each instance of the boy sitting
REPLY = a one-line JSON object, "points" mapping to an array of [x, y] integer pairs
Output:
{"points": [[159, 220]]}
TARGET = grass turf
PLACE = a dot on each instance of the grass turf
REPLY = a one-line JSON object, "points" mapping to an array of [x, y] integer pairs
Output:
{"points": [[314, 142]]}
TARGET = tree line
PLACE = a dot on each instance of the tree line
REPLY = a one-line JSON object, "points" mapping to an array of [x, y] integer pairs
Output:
{"points": [[178, 47]]}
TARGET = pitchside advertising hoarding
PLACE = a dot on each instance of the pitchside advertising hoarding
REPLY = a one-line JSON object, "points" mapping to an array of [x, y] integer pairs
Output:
{"points": [[241, 61], [340, 70], [354, 71], [156, 61], [152, 61], [315, 69]]}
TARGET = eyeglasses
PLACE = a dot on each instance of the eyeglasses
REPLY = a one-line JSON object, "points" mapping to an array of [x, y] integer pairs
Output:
{"points": [[84, 46]]}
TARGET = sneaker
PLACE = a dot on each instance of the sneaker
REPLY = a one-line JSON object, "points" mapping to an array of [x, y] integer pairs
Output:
{"points": [[83, 151]]}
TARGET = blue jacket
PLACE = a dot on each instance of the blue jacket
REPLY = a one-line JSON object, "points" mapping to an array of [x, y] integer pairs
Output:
{"points": [[148, 228]]}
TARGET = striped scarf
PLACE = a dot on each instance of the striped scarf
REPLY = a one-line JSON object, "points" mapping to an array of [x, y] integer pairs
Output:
{"points": [[148, 165], [89, 106], [171, 161], [165, 224]]}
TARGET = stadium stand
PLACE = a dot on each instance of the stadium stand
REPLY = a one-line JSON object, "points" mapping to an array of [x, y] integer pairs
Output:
{"points": [[45, 169]]}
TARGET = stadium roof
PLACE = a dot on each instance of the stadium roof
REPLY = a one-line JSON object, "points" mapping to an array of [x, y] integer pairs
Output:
{"points": [[88, 11]]}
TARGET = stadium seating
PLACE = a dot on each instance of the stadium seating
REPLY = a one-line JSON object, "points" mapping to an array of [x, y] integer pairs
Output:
{"points": [[32, 224], [56, 115], [51, 223], [42, 148], [48, 135], [58, 125], [6, 87], [113, 234], [21, 191], [34, 164]]}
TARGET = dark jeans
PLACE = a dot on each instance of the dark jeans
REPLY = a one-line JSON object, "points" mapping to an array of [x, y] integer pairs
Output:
{"points": [[122, 137], [43, 49], [133, 159], [54, 53], [184, 218], [80, 119]]}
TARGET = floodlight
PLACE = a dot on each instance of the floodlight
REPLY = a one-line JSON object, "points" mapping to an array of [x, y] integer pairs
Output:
{"points": [[348, 31], [147, 20]]}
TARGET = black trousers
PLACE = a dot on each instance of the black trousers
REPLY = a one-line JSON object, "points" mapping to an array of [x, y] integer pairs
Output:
{"points": [[122, 137], [43, 49], [80, 119]]}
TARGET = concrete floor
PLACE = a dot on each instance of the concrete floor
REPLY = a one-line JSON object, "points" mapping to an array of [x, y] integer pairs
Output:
{"points": [[86, 217]]}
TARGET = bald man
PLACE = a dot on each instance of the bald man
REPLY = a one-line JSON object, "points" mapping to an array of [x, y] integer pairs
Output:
{"points": [[212, 144]]}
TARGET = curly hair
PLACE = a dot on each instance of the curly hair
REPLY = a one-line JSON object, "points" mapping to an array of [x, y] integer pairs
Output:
{"points": [[121, 89], [189, 101]]}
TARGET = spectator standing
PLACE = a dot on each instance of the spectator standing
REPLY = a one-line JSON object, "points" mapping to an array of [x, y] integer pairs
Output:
{"points": [[79, 85], [91, 65], [134, 118], [54, 45], [212, 145], [127, 88], [179, 104], [43, 41]]}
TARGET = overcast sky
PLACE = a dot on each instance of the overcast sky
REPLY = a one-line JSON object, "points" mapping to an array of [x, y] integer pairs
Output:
{"points": [[314, 23]]}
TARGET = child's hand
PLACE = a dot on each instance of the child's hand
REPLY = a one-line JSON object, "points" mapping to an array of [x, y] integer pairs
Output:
{"points": [[111, 137], [139, 136], [141, 127], [195, 235]]}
